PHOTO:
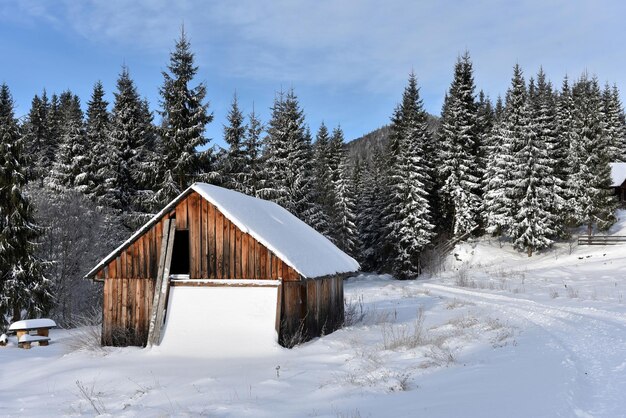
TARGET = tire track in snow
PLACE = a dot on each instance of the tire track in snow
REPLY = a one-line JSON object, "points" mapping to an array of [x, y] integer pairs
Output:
{"points": [[594, 342]]}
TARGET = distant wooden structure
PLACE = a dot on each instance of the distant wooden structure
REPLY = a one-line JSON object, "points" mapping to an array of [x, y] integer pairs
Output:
{"points": [[601, 239], [618, 181], [195, 237]]}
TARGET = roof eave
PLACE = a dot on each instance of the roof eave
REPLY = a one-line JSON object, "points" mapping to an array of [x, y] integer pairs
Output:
{"points": [[93, 272]]}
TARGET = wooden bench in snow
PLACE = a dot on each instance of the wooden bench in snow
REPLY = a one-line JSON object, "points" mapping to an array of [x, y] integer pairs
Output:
{"points": [[40, 327]]}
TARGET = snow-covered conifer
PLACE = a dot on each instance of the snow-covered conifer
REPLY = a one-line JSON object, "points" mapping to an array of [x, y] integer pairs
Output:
{"points": [[185, 116], [23, 286], [234, 136], [459, 167]]}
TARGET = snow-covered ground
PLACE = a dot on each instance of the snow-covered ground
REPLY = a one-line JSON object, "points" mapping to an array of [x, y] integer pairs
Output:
{"points": [[494, 334]]}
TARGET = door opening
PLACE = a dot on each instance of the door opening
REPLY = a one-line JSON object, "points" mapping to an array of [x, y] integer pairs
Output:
{"points": [[180, 253]]}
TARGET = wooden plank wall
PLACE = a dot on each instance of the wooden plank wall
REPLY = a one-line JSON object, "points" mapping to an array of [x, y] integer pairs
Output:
{"points": [[217, 250], [311, 308]]}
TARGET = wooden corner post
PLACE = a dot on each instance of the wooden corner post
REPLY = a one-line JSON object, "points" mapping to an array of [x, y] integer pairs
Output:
{"points": [[162, 285]]}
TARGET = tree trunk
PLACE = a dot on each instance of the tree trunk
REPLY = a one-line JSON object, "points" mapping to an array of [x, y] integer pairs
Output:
{"points": [[530, 251], [589, 228], [17, 312]]}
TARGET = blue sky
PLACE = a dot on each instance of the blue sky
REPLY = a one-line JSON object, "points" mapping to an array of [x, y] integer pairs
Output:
{"points": [[347, 60]]}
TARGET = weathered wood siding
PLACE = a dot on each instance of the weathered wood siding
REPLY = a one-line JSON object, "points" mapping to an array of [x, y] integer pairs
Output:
{"points": [[311, 308], [217, 250]]}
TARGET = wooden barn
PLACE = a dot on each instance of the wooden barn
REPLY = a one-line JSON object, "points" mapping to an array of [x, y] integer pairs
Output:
{"points": [[618, 181], [210, 238]]}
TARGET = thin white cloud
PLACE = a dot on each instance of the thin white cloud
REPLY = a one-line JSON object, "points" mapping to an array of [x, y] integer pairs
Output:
{"points": [[365, 43]]}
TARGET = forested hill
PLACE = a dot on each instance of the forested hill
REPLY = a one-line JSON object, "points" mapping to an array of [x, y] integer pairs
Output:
{"points": [[364, 146]]}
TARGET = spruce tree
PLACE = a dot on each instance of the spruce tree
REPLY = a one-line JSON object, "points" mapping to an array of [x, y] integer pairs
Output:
{"points": [[614, 129], [22, 283], [532, 177], [501, 196], [252, 153], [234, 136], [590, 178], [323, 184], [370, 206], [99, 146], [286, 153], [71, 168], [408, 212], [344, 230], [38, 141], [565, 157], [185, 116], [129, 134], [460, 168]]}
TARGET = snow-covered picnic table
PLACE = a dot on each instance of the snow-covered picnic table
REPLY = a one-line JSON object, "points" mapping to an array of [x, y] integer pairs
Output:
{"points": [[24, 327]]}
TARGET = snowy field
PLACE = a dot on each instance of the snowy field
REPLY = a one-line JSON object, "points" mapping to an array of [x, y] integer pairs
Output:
{"points": [[494, 334]]}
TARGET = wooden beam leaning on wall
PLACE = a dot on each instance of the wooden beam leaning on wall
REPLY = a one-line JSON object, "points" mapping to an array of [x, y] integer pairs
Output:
{"points": [[162, 285]]}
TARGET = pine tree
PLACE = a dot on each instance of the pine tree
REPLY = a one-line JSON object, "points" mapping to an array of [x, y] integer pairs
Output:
{"points": [[285, 153], [460, 169], [129, 134], [38, 142], [370, 206], [590, 178], [70, 170], [500, 199], [99, 146], [234, 136], [408, 213], [614, 129], [343, 223], [185, 116], [22, 283], [565, 159], [323, 188], [532, 178], [253, 159]]}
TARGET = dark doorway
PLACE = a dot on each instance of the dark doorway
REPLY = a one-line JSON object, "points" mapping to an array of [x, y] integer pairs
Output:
{"points": [[180, 253]]}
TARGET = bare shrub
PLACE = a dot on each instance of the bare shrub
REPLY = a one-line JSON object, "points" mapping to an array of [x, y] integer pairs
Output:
{"points": [[572, 292], [441, 355], [354, 311], [88, 332], [463, 322], [89, 394], [404, 335], [462, 279], [554, 294]]}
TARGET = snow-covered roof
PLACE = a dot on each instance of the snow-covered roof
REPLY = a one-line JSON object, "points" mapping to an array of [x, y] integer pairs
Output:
{"points": [[618, 174], [293, 241]]}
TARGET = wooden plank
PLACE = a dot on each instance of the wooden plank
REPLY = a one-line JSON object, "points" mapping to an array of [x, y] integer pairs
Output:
{"points": [[244, 256], [275, 262], [226, 254], [233, 242], [219, 245], [257, 260], [238, 274], [268, 265], [279, 309], [157, 314], [124, 318], [312, 318], [251, 257], [263, 262], [224, 283], [211, 227], [106, 296], [204, 239], [141, 260], [181, 215], [194, 235]]}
